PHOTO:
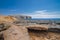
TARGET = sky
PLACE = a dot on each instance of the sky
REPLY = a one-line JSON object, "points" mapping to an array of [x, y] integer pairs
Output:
{"points": [[34, 8]]}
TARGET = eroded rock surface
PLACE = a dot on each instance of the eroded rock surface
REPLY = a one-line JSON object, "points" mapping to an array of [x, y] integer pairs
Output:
{"points": [[25, 31], [43, 35]]}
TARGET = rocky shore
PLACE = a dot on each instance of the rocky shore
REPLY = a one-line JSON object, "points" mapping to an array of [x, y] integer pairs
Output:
{"points": [[17, 28]]}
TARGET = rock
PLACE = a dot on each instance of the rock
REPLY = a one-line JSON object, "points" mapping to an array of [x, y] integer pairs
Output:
{"points": [[4, 26], [7, 19], [37, 27], [16, 33], [21, 17]]}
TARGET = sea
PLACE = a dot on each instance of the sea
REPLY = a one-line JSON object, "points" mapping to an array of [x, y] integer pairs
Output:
{"points": [[56, 19], [44, 19]]}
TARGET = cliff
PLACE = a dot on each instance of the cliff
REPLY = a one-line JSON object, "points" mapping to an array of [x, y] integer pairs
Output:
{"points": [[21, 17], [9, 30]]}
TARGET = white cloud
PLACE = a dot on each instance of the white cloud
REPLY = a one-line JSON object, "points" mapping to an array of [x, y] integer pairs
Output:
{"points": [[44, 14]]}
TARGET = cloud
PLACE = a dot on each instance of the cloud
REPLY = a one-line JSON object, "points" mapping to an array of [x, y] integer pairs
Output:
{"points": [[45, 14]]}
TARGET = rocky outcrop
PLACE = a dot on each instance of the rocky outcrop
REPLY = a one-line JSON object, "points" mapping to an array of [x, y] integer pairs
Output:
{"points": [[5, 22], [21, 17], [9, 30], [10, 19], [16, 33], [44, 35], [37, 27]]}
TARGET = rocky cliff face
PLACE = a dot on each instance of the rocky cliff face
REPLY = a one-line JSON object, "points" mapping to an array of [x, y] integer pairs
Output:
{"points": [[25, 32], [21, 17], [43, 35]]}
